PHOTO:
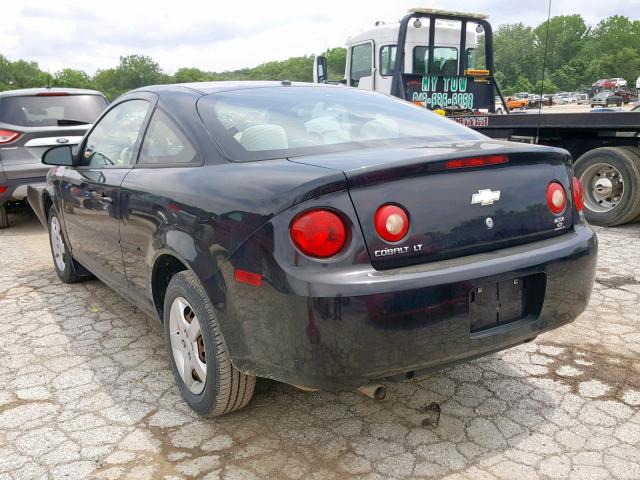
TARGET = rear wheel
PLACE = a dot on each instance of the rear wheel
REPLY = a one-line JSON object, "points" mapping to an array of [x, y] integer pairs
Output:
{"points": [[4, 216], [67, 268], [611, 179], [199, 359]]}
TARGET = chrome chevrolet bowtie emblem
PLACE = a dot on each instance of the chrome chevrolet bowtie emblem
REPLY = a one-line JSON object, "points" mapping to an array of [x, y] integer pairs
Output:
{"points": [[485, 197]]}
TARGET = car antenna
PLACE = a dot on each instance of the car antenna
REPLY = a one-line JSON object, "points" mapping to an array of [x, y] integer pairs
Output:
{"points": [[544, 67]]}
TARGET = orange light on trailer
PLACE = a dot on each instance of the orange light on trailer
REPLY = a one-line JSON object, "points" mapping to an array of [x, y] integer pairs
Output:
{"points": [[556, 198], [476, 162], [477, 73]]}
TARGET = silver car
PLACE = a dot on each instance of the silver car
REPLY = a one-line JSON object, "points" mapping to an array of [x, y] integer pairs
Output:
{"points": [[31, 121]]}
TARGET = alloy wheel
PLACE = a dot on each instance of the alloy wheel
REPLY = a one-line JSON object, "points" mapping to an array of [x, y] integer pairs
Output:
{"points": [[187, 345]]}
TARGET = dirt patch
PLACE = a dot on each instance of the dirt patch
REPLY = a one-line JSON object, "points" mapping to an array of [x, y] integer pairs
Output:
{"points": [[617, 281], [619, 372]]}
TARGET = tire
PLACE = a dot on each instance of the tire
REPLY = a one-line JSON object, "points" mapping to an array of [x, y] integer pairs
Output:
{"points": [[635, 152], [224, 388], [67, 268], [623, 203], [4, 216]]}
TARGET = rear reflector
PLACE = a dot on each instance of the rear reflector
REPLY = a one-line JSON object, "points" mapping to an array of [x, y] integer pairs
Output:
{"points": [[578, 194], [318, 233], [52, 94], [7, 136], [556, 198], [391, 222], [250, 278], [476, 162]]}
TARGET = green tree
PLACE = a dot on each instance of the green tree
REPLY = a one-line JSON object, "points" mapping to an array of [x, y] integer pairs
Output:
{"points": [[515, 54], [106, 82], [23, 74], [186, 75], [566, 35], [336, 63], [522, 85], [71, 78]]}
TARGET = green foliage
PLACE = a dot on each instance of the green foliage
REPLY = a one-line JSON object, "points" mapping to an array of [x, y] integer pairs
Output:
{"points": [[71, 78], [336, 62], [576, 56]]}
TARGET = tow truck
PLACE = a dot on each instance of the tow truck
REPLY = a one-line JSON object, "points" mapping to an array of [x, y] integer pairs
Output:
{"points": [[418, 59]]}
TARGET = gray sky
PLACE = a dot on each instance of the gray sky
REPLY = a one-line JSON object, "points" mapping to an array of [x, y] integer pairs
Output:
{"points": [[225, 35]]}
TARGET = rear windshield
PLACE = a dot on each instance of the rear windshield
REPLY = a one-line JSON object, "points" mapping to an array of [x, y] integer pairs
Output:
{"points": [[51, 111], [268, 123]]}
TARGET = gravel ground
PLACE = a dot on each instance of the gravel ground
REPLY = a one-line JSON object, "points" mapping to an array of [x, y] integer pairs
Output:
{"points": [[86, 392]]}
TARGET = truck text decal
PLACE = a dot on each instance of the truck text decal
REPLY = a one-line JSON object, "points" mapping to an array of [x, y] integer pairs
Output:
{"points": [[444, 92]]}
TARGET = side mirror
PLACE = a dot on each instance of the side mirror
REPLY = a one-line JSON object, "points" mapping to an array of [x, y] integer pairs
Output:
{"points": [[61, 155], [320, 69]]}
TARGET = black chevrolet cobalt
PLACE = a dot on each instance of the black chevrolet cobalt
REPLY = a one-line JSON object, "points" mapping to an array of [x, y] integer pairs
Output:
{"points": [[320, 236]]}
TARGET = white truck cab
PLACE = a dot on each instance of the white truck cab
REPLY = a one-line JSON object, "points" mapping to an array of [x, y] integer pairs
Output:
{"points": [[443, 55], [371, 54]]}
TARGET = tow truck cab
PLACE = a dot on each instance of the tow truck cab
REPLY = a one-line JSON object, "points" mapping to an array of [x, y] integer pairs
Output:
{"points": [[435, 58]]}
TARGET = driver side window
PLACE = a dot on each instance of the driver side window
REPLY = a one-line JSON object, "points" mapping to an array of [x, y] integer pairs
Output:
{"points": [[113, 142]]}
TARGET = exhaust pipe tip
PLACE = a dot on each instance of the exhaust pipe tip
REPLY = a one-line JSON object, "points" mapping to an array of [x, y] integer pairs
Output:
{"points": [[374, 391]]}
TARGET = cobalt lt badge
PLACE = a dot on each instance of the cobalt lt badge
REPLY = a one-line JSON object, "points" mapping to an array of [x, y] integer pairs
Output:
{"points": [[485, 197]]}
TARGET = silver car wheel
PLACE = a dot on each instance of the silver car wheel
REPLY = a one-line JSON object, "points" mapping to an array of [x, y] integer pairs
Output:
{"points": [[187, 345], [604, 187], [57, 244]]}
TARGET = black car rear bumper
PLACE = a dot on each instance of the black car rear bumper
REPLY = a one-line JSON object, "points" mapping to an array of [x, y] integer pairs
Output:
{"points": [[341, 330]]}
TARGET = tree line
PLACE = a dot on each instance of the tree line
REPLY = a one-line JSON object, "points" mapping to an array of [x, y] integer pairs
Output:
{"points": [[574, 56]]}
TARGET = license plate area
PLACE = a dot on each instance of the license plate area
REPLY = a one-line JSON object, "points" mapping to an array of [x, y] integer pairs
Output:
{"points": [[498, 303]]}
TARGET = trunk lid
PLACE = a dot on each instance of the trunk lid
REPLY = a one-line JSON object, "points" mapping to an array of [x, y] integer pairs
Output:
{"points": [[449, 213]]}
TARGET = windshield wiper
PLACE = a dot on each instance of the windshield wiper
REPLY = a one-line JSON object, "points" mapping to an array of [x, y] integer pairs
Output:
{"points": [[68, 121]]}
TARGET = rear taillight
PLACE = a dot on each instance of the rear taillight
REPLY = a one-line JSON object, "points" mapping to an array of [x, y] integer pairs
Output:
{"points": [[8, 136], [319, 233], [476, 162], [391, 222], [578, 194], [556, 198], [3, 189]]}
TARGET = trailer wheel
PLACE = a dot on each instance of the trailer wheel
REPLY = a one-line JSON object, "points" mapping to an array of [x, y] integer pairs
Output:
{"points": [[635, 152], [611, 179]]}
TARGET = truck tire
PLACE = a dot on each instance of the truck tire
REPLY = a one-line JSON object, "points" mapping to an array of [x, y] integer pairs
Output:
{"points": [[198, 355], [635, 152], [4, 216], [611, 180]]}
